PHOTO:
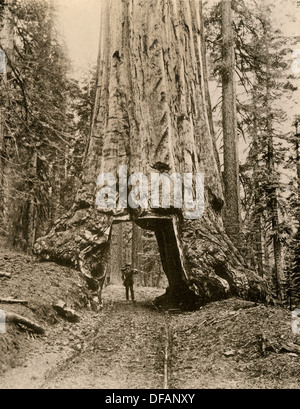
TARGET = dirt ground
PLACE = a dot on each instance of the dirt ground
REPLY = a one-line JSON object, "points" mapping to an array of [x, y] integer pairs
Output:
{"points": [[231, 344]]}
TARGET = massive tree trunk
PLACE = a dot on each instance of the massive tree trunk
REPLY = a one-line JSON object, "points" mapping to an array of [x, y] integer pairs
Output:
{"points": [[232, 219], [152, 114]]}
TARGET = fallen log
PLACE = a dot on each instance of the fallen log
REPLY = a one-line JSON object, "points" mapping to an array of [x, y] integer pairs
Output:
{"points": [[290, 347], [278, 348], [18, 319], [65, 312], [5, 275], [12, 301]]}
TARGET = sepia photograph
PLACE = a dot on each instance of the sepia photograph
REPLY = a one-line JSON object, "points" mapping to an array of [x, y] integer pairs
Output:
{"points": [[149, 197]]}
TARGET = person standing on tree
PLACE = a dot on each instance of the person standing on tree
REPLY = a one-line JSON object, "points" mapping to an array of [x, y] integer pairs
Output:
{"points": [[127, 277]]}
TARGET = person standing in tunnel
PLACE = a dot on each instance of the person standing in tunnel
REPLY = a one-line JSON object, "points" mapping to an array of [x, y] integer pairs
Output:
{"points": [[127, 277]]}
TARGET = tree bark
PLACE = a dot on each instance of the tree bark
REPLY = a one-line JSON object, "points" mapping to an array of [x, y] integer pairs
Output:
{"points": [[297, 155], [136, 250], [295, 268], [152, 114], [257, 224], [279, 276], [32, 207], [232, 219], [6, 145]]}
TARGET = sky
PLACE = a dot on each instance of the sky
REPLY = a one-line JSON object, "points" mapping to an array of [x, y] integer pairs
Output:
{"points": [[79, 25]]}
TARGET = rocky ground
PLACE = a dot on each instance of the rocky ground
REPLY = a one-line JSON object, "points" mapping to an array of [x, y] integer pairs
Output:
{"points": [[228, 344]]}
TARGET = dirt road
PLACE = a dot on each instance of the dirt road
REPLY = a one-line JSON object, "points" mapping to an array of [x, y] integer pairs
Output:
{"points": [[119, 347], [226, 344], [123, 346]]}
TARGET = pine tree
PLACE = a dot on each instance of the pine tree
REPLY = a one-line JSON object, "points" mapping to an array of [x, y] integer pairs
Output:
{"points": [[260, 65], [39, 120], [232, 218]]}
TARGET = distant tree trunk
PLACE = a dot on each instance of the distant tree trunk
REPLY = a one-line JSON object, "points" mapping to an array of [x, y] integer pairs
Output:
{"points": [[6, 144], [3, 193], [152, 114], [257, 225], [116, 255], [297, 155], [279, 276], [136, 249], [267, 253], [258, 245], [32, 205], [136, 245], [232, 217], [294, 274], [119, 247]]}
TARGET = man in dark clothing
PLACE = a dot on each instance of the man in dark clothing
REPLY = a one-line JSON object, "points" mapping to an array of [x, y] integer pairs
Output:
{"points": [[127, 277]]}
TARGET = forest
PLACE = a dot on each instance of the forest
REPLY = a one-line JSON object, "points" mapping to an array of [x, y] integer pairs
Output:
{"points": [[189, 87]]}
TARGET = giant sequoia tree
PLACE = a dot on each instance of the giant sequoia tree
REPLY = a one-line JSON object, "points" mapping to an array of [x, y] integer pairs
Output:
{"points": [[152, 113]]}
